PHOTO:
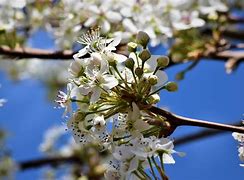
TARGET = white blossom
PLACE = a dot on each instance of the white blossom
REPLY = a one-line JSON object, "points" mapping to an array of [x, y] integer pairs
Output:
{"points": [[116, 97]]}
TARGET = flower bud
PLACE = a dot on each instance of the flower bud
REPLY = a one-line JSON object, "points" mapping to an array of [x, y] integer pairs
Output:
{"points": [[153, 80], [142, 38], [129, 63], [153, 99], [139, 72], [171, 86], [132, 47], [163, 61], [180, 76], [144, 55]]}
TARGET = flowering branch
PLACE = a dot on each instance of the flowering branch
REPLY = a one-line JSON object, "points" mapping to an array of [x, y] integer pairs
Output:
{"points": [[67, 55], [176, 120], [54, 161]]}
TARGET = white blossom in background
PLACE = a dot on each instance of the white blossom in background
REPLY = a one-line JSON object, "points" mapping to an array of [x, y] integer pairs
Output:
{"points": [[50, 138], [112, 94], [50, 71], [240, 138], [2, 100], [66, 19], [51, 144]]}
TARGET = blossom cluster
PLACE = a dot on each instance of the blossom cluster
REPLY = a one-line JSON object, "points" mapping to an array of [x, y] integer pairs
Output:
{"points": [[113, 94], [240, 138], [125, 18], [66, 18]]}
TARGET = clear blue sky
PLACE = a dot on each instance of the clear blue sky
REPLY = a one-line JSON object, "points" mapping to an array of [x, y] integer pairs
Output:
{"points": [[207, 92]]}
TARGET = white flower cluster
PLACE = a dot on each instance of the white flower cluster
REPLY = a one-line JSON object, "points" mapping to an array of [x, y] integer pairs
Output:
{"points": [[113, 94], [158, 18], [11, 13], [66, 18], [240, 138]]}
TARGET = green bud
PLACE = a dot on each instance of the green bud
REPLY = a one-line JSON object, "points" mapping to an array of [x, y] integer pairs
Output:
{"points": [[180, 76], [132, 47], [163, 61], [129, 63], [144, 55], [142, 38], [153, 99], [139, 72], [171, 86], [153, 80]]}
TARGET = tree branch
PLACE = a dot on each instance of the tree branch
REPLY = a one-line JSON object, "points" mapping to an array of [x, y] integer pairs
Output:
{"points": [[52, 161], [176, 121], [200, 135], [35, 53], [27, 53]]}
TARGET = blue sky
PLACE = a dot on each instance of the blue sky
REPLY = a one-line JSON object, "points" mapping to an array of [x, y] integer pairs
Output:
{"points": [[207, 92]]}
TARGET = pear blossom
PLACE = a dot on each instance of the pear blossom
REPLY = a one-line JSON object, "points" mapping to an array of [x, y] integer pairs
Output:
{"points": [[186, 20], [240, 138], [103, 15], [94, 43], [64, 100], [97, 77], [134, 122], [160, 19], [113, 94]]}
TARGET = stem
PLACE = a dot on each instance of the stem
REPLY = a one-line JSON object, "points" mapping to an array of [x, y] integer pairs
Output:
{"points": [[137, 59], [157, 68], [161, 161], [117, 71], [163, 87], [150, 163], [144, 173], [138, 175], [177, 120], [161, 172], [92, 112], [80, 101]]}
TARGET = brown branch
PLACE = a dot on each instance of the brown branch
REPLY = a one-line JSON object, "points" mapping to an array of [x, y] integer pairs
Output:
{"points": [[200, 135], [176, 121], [35, 53], [52, 161], [27, 53]]}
